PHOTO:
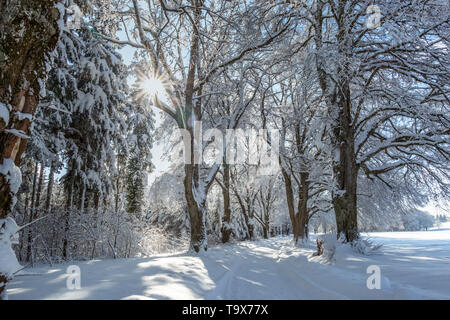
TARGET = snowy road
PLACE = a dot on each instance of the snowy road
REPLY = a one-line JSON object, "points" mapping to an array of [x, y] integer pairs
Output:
{"points": [[414, 265]]}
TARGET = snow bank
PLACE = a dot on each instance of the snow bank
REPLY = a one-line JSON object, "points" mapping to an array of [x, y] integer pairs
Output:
{"points": [[8, 236]]}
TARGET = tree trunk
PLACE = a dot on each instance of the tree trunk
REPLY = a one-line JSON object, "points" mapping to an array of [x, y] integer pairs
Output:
{"points": [[226, 228], [290, 202], [346, 213], [82, 197], [196, 209], [69, 207], [249, 220], [345, 208], [299, 218], [302, 214], [23, 234], [118, 188], [51, 180], [346, 171], [266, 227], [32, 212], [246, 217], [39, 190]]}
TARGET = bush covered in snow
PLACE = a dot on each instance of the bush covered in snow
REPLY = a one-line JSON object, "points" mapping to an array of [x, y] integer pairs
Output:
{"points": [[8, 261], [92, 235]]}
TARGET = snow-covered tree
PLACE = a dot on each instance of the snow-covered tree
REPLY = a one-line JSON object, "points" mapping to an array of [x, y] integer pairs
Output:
{"points": [[385, 83], [139, 159], [28, 33]]}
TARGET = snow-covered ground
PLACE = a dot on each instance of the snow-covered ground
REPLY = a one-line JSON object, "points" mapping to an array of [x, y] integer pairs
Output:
{"points": [[414, 265]]}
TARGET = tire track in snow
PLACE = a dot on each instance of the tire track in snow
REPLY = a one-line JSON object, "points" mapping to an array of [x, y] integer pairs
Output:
{"points": [[223, 284], [242, 280]]}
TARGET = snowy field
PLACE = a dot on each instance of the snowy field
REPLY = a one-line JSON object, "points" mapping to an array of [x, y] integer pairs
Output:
{"points": [[414, 265]]}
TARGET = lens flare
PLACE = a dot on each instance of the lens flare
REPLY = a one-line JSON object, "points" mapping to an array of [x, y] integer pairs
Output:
{"points": [[150, 86]]}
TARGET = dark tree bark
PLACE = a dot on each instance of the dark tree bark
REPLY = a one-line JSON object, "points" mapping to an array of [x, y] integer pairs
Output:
{"points": [[299, 217], [51, 180], [346, 172], [69, 208], [32, 212], [196, 209], [226, 228], [39, 190]]}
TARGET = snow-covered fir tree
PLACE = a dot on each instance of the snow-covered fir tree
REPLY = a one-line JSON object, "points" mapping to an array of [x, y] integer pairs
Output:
{"points": [[139, 159]]}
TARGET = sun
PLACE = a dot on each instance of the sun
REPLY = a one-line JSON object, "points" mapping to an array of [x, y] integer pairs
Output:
{"points": [[151, 86]]}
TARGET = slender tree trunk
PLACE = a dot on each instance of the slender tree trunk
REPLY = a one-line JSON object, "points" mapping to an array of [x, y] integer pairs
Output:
{"points": [[117, 196], [82, 197], [82, 191], [23, 234], [245, 215], [51, 180], [118, 188], [69, 208], [39, 190], [267, 221], [32, 212], [226, 228], [249, 220], [266, 227]]}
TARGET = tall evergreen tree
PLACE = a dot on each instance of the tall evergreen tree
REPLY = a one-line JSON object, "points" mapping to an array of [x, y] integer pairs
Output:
{"points": [[139, 161]]}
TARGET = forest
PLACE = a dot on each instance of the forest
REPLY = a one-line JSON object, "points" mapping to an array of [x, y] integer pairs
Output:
{"points": [[130, 128]]}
